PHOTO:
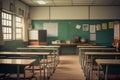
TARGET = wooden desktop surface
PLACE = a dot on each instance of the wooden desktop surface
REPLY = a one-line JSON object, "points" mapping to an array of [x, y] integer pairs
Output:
{"points": [[17, 61], [102, 53], [44, 46], [108, 61], [25, 53], [100, 48], [37, 48], [95, 46]]}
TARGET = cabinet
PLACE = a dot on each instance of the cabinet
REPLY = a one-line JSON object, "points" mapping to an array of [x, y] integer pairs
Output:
{"points": [[37, 37]]}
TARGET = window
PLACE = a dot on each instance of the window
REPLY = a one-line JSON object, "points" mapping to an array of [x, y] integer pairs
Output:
{"points": [[18, 28], [7, 26]]}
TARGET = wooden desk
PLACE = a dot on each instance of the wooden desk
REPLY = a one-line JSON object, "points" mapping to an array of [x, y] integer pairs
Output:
{"points": [[17, 62], [106, 62], [91, 46], [43, 54], [25, 53], [55, 49], [37, 48], [51, 49], [114, 55], [65, 44], [92, 49], [45, 46]]}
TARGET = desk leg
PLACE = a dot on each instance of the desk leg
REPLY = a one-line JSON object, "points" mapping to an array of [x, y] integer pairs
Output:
{"points": [[33, 69], [91, 64], [106, 72], [18, 69], [80, 58], [40, 68], [58, 58], [87, 72], [98, 72], [54, 60], [44, 66]]}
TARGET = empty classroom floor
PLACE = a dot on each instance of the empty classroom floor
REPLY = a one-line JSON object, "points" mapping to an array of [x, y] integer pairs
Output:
{"points": [[68, 69]]}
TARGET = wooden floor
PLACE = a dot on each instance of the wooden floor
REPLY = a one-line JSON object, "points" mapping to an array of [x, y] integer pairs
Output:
{"points": [[68, 69]]}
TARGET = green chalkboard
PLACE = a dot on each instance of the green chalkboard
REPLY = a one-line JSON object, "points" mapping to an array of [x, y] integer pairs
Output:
{"points": [[67, 30]]}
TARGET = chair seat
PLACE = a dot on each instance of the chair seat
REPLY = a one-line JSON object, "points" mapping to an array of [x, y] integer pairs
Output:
{"points": [[110, 76], [46, 61], [50, 56], [94, 68], [2, 75], [35, 68], [21, 76]]}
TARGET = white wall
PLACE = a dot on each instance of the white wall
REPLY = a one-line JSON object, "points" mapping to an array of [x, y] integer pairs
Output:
{"points": [[105, 12], [75, 12], [39, 13]]}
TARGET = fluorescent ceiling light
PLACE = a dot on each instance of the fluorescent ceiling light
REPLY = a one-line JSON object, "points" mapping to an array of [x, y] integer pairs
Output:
{"points": [[41, 2]]}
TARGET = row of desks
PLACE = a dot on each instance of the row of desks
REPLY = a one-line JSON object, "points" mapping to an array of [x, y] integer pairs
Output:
{"points": [[53, 49], [22, 62], [107, 63], [17, 62], [48, 50], [89, 53]]}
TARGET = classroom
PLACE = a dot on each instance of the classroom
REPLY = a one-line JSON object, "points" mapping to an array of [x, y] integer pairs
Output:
{"points": [[59, 40]]}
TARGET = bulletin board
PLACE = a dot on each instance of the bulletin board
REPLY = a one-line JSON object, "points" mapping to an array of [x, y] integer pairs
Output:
{"points": [[66, 30]]}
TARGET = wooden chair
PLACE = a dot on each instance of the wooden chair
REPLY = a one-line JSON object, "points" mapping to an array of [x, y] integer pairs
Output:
{"points": [[41, 67], [27, 76], [2, 76], [113, 72]]}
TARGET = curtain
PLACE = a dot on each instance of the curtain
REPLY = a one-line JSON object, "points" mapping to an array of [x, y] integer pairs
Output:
{"points": [[26, 22], [1, 35]]}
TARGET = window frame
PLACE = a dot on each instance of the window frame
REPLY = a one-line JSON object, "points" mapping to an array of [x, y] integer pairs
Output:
{"points": [[18, 28], [7, 26]]}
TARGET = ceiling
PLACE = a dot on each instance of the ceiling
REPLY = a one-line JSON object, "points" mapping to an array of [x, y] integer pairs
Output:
{"points": [[71, 2]]}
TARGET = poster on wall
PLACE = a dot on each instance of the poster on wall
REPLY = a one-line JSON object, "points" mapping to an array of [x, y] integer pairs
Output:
{"points": [[116, 31], [85, 27], [111, 25], [98, 27], [52, 29], [104, 26], [92, 37], [92, 29]]}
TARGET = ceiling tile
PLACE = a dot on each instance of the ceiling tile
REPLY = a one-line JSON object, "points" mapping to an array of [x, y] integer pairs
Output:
{"points": [[72, 2]]}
